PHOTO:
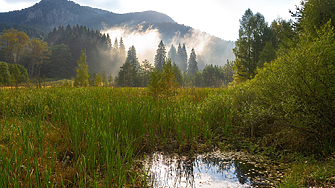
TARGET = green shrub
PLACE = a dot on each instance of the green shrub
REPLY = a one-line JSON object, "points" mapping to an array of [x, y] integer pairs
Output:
{"points": [[163, 81], [292, 99]]}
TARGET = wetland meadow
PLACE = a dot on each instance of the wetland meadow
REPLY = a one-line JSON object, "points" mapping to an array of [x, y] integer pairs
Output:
{"points": [[121, 137]]}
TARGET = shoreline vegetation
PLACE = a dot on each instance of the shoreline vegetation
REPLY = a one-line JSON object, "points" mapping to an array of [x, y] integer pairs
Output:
{"points": [[91, 137]]}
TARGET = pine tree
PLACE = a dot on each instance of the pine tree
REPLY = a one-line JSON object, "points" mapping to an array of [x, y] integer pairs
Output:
{"points": [[192, 64], [122, 51], [249, 45], [179, 57], [160, 56], [182, 57], [173, 54], [116, 44], [132, 56]]}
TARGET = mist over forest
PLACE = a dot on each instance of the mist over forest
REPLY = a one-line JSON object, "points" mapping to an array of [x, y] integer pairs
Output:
{"points": [[94, 31], [209, 49]]}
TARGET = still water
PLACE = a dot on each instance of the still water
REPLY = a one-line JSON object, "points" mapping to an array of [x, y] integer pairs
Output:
{"points": [[215, 170]]}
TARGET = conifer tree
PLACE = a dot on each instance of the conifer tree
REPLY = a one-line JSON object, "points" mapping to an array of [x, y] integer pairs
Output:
{"points": [[179, 57], [192, 64], [132, 56], [182, 57], [173, 54], [116, 44], [160, 56], [122, 51], [249, 45]]}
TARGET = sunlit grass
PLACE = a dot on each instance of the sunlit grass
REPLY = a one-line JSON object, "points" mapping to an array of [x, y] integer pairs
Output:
{"points": [[90, 137]]}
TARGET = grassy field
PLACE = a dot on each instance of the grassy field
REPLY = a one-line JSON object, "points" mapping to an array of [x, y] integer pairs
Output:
{"points": [[89, 137], [92, 137]]}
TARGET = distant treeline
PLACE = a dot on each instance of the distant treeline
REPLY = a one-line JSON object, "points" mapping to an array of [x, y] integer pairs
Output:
{"points": [[101, 54], [31, 31]]}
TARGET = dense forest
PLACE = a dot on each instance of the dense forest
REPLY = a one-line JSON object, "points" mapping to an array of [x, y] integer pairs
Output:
{"points": [[63, 46], [37, 21]]}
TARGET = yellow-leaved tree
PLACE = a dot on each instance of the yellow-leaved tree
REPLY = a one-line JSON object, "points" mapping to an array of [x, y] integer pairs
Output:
{"points": [[82, 73], [163, 81]]}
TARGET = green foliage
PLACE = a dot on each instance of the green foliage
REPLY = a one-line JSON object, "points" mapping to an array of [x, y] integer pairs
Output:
{"points": [[215, 109], [216, 76], [253, 34], [98, 80], [182, 58], [82, 72], [315, 14], [132, 56], [144, 73], [128, 75], [267, 55], [4, 73], [163, 81], [104, 79], [61, 65], [18, 74], [293, 97], [101, 56], [178, 75], [192, 64], [39, 54], [173, 54], [160, 56], [63, 135]]}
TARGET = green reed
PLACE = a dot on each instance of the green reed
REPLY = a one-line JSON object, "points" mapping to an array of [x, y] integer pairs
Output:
{"points": [[90, 137]]}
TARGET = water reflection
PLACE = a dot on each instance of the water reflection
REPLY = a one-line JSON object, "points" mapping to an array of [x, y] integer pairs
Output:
{"points": [[211, 170]]}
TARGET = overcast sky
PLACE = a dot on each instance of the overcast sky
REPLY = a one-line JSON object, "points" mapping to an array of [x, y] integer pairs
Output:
{"points": [[216, 17]]}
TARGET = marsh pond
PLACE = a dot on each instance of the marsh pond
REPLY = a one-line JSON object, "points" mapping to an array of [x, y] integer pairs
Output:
{"points": [[215, 170]]}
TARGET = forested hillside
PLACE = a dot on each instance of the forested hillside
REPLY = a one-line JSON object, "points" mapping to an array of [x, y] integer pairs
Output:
{"points": [[69, 28]]}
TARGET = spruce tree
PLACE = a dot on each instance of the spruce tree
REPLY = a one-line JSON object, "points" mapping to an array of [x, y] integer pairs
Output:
{"points": [[249, 45], [173, 54], [192, 64], [132, 56], [182, 57], [160, 55], [122, 51], [116, 44]]}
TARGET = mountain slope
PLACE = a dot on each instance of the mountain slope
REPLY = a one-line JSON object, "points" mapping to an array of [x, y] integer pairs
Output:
{"points": [[49, 14], [52, 13], [134, 17]]}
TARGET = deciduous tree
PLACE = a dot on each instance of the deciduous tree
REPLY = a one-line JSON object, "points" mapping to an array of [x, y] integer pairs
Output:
{"points": [[39, 54], [82, 71]]}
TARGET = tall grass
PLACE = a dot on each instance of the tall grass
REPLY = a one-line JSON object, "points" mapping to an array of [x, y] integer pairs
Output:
{"points": [[90, 137]]}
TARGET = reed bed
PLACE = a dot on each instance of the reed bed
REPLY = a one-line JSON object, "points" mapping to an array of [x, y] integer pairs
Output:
{"points": [[91, 137]]}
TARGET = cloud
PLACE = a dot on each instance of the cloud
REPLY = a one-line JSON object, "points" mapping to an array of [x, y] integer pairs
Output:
{"points": [[194, 39], [11, 5], [145, 42], [19, 1]]}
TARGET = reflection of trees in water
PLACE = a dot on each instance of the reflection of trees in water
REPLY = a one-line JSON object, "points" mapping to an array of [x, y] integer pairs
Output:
{"points": [[181, 170]]}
